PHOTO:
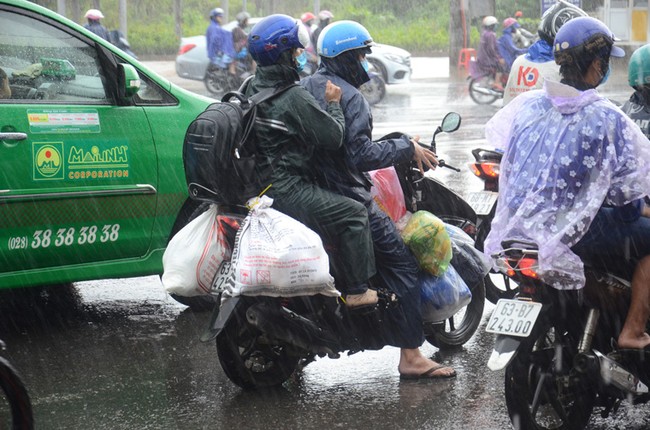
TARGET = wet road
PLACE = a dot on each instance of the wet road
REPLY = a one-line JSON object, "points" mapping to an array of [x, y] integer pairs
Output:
{"points": [[121, 354]]}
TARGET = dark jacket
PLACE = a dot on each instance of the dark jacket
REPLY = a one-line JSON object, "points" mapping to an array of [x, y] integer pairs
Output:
{"points": [[639, 111], [98, 29], [343, 172], [291, 126]]}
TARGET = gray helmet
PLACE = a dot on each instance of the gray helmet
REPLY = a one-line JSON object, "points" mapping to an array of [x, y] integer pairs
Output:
{"points": [[242, 17]]}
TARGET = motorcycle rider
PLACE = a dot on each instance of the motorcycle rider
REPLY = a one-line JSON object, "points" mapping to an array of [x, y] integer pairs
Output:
{"points": [[307, 20], [638, 72], [221, 51], [574, 173], [289, 128], [94, 16], [506, 45], [488, 59], [529, 71], [342, 47], [240, 40], [324, 18]]}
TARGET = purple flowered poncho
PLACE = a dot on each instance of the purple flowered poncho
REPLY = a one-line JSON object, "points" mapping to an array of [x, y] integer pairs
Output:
{"points": [[566, 153]]}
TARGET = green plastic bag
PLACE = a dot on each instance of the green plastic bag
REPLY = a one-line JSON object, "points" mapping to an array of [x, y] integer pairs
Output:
{"points": [[426, 236]]}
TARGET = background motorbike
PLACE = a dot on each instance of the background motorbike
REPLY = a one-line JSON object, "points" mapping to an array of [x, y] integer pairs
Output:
{"points": [[117, 38], [480, 85], [261, 341], [219, 80], [558, 347], [375, 89], [486, 167]]}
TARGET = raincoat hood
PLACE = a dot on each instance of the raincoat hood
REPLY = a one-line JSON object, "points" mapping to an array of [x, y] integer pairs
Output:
{"points": [[568, 100], [540, 52]]}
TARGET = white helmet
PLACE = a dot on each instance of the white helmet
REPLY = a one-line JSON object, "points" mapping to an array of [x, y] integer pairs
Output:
{"points": [[94, 14], [489, 21]]}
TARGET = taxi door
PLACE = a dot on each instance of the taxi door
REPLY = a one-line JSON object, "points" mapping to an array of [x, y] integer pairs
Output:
{"points": [[79, 173]]}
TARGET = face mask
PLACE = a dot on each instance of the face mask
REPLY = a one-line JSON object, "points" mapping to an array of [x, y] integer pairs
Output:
{"points": [[607, 73], [365, 65], [301, 60]]}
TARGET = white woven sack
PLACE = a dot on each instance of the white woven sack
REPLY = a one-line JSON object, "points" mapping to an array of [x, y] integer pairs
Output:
{"points": [[277, 256], [194, 255]]}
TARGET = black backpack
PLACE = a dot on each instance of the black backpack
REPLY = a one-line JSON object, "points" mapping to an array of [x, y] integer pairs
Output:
{"points": [[219, 152]]}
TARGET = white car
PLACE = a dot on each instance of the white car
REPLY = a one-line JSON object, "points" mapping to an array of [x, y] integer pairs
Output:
{"points": [[393, 63]]}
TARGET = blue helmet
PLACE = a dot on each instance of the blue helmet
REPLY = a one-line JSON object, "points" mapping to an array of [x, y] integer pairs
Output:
{"points": [[273, 35], [581, 36], [342, 36]]}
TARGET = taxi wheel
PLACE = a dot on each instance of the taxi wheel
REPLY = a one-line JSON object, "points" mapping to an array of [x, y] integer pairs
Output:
{"points": [[190, 210]]}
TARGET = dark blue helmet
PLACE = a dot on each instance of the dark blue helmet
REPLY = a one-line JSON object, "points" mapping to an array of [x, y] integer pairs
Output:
{"points": [[273, 35]]}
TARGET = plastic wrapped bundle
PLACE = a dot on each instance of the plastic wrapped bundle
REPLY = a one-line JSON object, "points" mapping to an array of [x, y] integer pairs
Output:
{"points": [[426, 236], [442, 296]]}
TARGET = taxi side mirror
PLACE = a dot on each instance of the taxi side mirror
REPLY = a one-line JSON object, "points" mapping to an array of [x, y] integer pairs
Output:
{"points": [[129, 81]]}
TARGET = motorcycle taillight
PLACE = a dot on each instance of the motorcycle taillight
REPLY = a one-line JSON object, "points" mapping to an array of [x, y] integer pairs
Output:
{"points": [[485, 170], [523, 266]]}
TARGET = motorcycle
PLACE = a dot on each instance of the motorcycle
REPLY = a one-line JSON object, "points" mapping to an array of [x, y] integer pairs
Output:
{"points": [[558, 348], [481, 85], [375, 89], [486, 167], [262, 340], [117, 38], [218, 80]]}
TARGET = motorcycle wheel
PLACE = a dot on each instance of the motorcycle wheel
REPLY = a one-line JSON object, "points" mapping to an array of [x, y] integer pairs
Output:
{"points": [[492, 291], [248, 362], [480, 91], [15, 398], [374, 90], [216, 82], [458, 329], [542, 391], [191, 210]]}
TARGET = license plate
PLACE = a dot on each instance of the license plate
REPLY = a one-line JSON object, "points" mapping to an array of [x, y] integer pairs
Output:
{"points": [[220, 280], [482, 201], [513, 317]]}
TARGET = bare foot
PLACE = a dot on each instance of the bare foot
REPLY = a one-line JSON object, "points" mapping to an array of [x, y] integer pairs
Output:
{"points": [[626, 341], [413, 363]]}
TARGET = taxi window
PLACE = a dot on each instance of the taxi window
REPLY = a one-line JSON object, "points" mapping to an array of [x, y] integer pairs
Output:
{"points": [[43, 62]]}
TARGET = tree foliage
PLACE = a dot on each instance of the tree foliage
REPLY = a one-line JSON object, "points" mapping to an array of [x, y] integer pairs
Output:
{"points": [[420, 26]]}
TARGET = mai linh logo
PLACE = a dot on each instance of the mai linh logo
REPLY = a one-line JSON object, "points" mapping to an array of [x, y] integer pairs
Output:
{"points": [[48, 161]]}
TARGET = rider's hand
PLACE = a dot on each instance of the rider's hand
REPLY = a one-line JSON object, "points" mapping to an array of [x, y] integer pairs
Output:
{"points": [[423, 156], [332, 93]]}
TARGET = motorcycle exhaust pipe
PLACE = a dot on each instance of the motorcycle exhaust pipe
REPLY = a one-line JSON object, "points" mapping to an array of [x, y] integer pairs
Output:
{"points": [[289, 327], [610, 372]]}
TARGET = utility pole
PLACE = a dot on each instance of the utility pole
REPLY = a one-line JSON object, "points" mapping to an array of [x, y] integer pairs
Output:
{"points": [[60, 7], [178, 17], [76, 13], [121, 11]]}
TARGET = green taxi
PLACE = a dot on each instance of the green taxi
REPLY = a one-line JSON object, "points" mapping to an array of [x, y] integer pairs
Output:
{"points": [[91, 177]]}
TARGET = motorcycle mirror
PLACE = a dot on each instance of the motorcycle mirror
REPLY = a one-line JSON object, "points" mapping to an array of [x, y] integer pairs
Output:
{"points": [[451, 122]]}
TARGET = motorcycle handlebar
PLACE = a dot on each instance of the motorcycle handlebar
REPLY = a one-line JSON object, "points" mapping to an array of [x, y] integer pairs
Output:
{"points": [[442, 163]]}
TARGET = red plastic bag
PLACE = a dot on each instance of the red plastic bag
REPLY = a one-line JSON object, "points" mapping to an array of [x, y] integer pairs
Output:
{"points": [[387, 192]]}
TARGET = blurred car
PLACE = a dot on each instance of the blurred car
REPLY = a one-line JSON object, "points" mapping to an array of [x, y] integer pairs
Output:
{"points": [[393, 63], [93, 183]]}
